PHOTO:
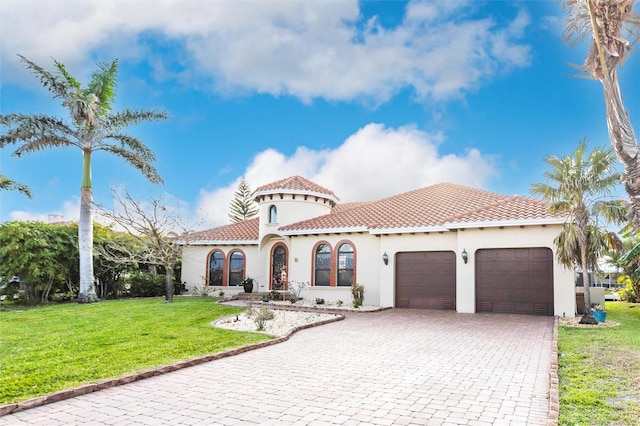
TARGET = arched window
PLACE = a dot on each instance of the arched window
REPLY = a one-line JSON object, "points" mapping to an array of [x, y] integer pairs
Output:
{"points": [[216, 266], [322, 275], [236, 268], [345, 264], [278, 266], [273, 214]]}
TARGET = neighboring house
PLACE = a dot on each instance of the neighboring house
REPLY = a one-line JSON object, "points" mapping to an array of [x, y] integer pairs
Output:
{"points": [[444, 246]]}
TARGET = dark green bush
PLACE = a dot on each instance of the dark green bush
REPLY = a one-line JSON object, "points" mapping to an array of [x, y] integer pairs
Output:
{"points": [[142, 284]]}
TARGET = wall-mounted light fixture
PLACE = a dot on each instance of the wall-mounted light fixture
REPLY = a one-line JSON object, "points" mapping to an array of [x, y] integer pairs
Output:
{"points": [[464, 255], [385, 258]]}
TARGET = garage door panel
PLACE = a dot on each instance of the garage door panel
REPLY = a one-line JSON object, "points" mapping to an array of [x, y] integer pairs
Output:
{"points": [[523, 284], [426, 280]]}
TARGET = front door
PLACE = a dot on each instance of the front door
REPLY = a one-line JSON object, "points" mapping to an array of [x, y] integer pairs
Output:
{"points": [[279, 270]]}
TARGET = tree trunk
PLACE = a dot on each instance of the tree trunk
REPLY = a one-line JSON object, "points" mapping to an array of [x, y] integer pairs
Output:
{"points": [[587, 317], [624, 143], [87, 292], [168, 284]]}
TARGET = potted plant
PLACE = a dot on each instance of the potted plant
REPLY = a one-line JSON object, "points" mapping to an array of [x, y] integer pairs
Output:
{"points": [[247, 283], [357, 291], [599, 313]]}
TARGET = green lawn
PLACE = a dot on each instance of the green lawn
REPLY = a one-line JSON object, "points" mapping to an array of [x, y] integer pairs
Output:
{"points": [[47, 349], [599, 370]]}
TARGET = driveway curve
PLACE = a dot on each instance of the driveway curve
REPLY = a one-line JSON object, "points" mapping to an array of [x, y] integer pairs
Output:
{"points": [[395, 367]]}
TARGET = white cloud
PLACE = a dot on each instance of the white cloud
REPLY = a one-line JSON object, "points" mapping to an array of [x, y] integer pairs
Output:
{"points": [[307, 49], [373, 163], [68, 212]]}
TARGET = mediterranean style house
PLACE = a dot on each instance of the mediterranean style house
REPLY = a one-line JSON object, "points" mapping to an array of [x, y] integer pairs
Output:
{"points": [[445, 246]]}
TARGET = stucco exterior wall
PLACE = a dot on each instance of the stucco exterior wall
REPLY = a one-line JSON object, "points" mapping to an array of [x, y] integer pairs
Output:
{"points": [[290, 210], [194, 263], [378, 278], [368, 262]]}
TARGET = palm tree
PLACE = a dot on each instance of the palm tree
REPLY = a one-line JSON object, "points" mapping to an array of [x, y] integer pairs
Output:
{"points": [[628, 261], [93, 128], [612, 28], [580, 186]]}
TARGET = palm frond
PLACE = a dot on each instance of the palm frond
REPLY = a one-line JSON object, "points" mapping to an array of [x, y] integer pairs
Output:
{"points": [[59, 87], [52, 141], [62, 69], [128, 141], [103, 84], [7, 184], [36, 132], [136, 161], [614, 211], [631, 256], [128, 117]]}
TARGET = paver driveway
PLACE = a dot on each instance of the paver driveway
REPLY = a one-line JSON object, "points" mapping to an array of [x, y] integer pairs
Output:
{"points": [[392, 367]]}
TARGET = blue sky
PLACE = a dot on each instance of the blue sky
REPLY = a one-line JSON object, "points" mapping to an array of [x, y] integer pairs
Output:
{"points": [[368, 99]]}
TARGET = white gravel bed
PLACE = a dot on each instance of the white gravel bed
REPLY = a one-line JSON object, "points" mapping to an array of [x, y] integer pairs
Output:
{"points": [[574, 322], [281, 324], [312, 304]]}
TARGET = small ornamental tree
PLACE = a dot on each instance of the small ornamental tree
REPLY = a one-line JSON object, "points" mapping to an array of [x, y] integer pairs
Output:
{"points": [[153, 225], [242, 206], [580, 186]]}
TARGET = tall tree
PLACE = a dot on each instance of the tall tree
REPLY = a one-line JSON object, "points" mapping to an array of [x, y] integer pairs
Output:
{"points": [[242, 206], [580, 185], [613, 28], [93, 128], [7, 184], [153, 225]]}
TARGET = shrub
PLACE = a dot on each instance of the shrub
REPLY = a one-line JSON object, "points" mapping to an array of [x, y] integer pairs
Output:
{"points": [[296, 288], [200, 290], [627, 294], [319, 301], [179, 287], [274, 295], [261, 316], [143, 284]]}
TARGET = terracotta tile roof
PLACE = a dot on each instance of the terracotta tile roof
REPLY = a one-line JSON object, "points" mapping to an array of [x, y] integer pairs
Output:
{"points": [[297, 184], [430, 207], [438, 207], [511, 208], [247, 230]]}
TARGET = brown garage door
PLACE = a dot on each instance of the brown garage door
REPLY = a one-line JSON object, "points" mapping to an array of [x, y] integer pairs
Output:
{"points": [[426, 280], [516, 281]]}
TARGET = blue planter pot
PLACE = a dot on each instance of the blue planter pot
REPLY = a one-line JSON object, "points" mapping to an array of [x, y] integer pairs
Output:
{"points": [[600, 316]]}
